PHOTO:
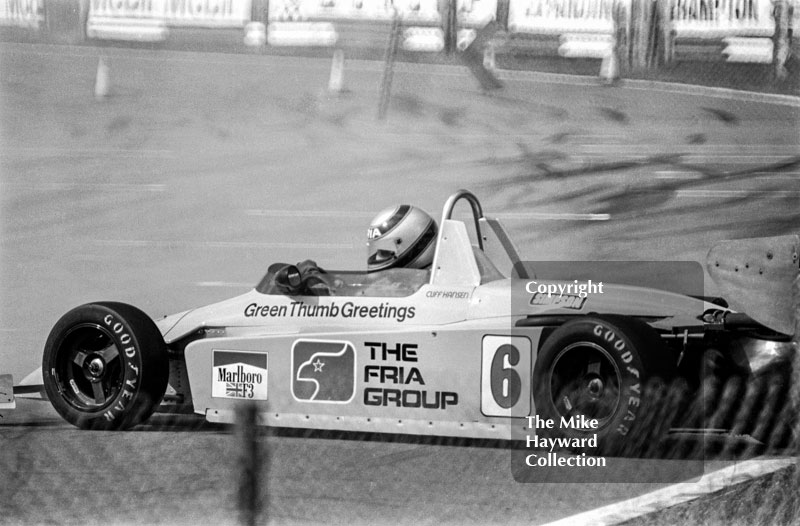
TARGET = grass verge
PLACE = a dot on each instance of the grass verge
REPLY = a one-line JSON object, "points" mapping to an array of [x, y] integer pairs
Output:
{"points": [[769, 500]]}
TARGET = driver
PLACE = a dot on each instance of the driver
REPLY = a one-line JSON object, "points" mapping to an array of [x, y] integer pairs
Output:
{"points": [[402, 236]]}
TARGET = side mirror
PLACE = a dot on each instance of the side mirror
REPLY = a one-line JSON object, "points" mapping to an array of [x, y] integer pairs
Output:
{"points": [[289, 280]]}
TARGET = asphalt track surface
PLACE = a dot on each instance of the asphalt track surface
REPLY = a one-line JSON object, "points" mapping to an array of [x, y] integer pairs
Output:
{"points": [[199, 170]]}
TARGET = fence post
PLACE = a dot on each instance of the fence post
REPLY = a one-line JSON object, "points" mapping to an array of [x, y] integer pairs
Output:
{"points": [[64, 21], [640, 24], [451, 27], [795, 380], [83, 10], [665, 34], [781, 38], [621, 45], [259, 10], [637, 34], [388, 66], [249, 465], [501, 14]]}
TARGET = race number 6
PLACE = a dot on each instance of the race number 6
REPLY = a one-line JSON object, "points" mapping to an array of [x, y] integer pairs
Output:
{"points": [[505, 376]]}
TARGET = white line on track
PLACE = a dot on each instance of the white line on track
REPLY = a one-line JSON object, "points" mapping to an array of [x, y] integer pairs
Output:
{"points": [[726, 156], [762, 149], [307, 213], [597, 136], [541, 216], [734, 193], [679, 174], [144, 187], [691, 157], [668, 174], [716, 157], [80, 152], [622, 156], [727, 161], [224, 284], [677, 493], [144, 243]]}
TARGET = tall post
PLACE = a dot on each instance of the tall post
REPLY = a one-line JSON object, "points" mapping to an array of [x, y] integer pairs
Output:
{"points": [[781, 38], [795, 380], [451, 27], [621, 35], [259, 11], [502, 13], [638, 34], [64, 21], [666, 37], [249, 464], [388, 67]]}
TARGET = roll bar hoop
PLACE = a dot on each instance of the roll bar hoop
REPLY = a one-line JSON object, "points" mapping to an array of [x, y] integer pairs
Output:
{"points": [[477, 211]]}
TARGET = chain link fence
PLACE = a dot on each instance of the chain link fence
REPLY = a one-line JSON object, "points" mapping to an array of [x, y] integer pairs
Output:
{"points": [[743, 44]]}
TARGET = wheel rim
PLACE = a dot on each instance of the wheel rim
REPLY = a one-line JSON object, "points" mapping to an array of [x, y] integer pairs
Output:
{"points": [[585, 380], [89, 371]]}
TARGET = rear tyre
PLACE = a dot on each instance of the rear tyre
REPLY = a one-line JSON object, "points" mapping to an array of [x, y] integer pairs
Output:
{"points": [[611, 369], [105, 366]]}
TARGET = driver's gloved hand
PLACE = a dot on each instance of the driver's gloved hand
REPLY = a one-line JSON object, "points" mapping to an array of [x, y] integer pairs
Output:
{"points": [[309, 267], [314, 279]]}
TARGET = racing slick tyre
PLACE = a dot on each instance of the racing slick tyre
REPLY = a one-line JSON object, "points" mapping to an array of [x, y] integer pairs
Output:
{"points": [[105, 366], [611, 369]]}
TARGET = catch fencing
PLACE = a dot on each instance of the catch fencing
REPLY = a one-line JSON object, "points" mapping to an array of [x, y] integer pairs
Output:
{"points": [[712, 18], [22, 13], [729, 30], [565, 16]]}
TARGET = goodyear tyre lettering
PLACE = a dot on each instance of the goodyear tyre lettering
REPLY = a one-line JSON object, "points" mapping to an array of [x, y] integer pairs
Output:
{"points": [[111, 344], [631, 353]]}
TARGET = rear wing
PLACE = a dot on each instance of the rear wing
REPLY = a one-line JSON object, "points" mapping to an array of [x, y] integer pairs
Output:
{"points": [[7, 400], [756, 275]]}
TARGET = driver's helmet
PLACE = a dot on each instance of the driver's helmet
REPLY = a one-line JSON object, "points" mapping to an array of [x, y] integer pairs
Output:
{"points": [[401, 236]]}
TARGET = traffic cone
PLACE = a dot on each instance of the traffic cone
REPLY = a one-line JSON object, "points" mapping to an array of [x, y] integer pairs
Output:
{"points": [[336, 81], [255, 34], [102, 84], [609, 69]]}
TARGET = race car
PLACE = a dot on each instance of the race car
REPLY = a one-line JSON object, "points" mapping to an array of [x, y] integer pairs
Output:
{"points": [[471, 347]]}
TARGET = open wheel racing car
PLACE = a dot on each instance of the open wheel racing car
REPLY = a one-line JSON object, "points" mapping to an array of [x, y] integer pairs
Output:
{"points": [[441, 351]]}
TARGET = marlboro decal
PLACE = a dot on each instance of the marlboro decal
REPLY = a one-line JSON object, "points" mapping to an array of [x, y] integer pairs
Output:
{"points": [[241, 375]]}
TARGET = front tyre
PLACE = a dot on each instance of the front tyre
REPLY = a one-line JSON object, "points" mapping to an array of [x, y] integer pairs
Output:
{"points": [[600, 368], [105, 366]]}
